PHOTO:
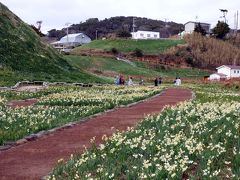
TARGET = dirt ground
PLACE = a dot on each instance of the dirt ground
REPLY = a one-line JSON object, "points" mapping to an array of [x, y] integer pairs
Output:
{"points": [[35, 159], [30, 88], [22, 103]]}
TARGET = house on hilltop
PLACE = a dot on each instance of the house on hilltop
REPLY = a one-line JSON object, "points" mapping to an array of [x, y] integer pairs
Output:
{"points": [[190, 26], [70, 41], [145, 35], [226, 72]]}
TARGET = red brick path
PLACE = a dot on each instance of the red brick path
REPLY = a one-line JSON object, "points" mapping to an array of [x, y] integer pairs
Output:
{"points": [[36, 159]]}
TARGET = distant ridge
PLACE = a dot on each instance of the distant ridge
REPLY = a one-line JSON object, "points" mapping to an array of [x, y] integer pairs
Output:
{"points": [[112, 25]]}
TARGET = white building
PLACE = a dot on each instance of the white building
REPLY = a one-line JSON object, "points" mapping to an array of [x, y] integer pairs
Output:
{"points": [[145, 35], [190, 26], [70, 41], [217, 76], [226, 72]]}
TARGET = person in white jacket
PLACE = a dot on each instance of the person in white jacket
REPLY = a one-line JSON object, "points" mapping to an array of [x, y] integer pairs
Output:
{"points": [[130, 82], [177, 81]]}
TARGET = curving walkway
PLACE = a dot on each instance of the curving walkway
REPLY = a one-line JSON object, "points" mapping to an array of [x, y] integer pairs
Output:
{"points": [[35, 159]]}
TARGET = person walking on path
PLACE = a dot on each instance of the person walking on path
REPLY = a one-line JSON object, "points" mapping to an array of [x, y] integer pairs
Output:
{"points": [[156, 82], [121, 80], [141, 82], [160, 80], [117, 80], [130, 82], [177, 81]]}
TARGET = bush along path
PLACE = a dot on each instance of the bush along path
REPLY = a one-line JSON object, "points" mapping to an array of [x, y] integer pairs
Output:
{"points": [[35, 159]]}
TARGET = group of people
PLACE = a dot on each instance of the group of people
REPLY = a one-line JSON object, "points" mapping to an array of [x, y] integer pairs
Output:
{"points": [[121, 81], [158, 81], [177, 81]]}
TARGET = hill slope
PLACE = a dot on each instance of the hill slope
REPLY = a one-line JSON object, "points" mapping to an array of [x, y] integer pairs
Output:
{"points": [[21, 48], [207, 52], [127, 45], [24, 56], [110, 67]]}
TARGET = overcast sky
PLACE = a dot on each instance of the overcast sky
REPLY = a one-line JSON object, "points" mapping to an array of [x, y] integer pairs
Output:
{"points": [[55, 13]]}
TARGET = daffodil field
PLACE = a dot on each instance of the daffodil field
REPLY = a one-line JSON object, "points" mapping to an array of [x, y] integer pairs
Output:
{"points": [[60, 105], [195, 140]]}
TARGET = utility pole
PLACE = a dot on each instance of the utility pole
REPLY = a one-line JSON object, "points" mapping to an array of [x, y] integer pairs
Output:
{"points": [[237, 21], [67, 24], [96, 34], [133, 25]]}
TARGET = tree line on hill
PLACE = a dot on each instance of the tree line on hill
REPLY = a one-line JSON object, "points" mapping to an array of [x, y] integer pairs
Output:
{"points": [[219, 31], [119, 27]]}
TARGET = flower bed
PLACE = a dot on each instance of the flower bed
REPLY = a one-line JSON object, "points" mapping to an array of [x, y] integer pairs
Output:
{"points": [[58, 106], [198, 140]]}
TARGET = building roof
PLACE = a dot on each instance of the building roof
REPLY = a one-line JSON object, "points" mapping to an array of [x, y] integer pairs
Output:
{"points": [[197, 23], [147, 31], [221, 74], [71, 38], [229, 66]]}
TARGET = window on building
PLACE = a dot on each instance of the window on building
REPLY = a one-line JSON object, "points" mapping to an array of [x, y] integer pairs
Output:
{"points": [[142, 35], [155, 35], [235, 72], [148, 35]]}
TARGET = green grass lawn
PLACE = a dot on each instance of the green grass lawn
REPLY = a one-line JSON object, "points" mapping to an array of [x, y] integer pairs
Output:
{"points": [[97, 70], [127, 45], [10, 78], [111, 67]]}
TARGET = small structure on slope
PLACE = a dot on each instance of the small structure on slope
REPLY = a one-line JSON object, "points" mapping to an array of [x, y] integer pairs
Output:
{"points": [[145, 35], [70, 41], [226, 72], [190, 26]]}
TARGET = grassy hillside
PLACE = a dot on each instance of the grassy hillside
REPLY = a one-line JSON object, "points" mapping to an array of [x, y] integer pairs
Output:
{"points": [[9, 77], [23, 56], [21, 48], [111, 67], [128, 45]]}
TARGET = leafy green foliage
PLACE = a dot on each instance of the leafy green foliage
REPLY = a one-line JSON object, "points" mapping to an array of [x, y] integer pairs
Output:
{"points": [[123, 34], [199, 29], [221, 29], [114, 51], [138, 52]]}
